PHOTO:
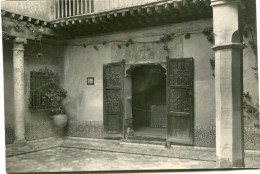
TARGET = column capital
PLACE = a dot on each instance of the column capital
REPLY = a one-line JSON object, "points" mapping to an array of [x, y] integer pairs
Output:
{"points": [[222, 2], [19, 41], [228, 46]]}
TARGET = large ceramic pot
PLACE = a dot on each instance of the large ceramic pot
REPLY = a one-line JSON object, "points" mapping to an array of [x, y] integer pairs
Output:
{"points": [[60, 120]]}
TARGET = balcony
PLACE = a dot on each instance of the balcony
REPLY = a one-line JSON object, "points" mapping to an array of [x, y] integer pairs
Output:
{"points": [[73, 8], [91, 17]]}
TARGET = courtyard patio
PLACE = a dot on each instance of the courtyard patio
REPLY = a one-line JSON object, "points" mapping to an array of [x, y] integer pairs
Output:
{"points": [[86, 154]]}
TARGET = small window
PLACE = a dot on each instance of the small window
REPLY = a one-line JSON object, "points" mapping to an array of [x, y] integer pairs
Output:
{"points": [[40, 82]]}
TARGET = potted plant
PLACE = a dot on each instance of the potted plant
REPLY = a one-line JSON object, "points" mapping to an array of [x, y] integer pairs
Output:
{"points": [[53, 98]]}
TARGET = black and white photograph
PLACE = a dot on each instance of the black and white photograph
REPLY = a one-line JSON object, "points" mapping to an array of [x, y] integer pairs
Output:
{"points": [[130, 85]]}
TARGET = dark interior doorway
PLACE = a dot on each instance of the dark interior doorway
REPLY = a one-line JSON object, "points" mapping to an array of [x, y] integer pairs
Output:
{"points": [[149, 101]]}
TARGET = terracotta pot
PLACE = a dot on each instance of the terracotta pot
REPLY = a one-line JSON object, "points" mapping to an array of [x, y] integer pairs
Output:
{"points": [[60, 120]]}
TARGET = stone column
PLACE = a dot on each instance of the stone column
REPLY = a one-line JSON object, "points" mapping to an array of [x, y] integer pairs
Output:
{"points": [[227, 23], [19, 97]]}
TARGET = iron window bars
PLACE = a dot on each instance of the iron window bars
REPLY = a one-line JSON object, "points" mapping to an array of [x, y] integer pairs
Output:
{"points": [[40, 82]]}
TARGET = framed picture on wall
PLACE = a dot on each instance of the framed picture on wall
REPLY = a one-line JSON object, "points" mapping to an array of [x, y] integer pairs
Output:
{"points": [[90, 80]]}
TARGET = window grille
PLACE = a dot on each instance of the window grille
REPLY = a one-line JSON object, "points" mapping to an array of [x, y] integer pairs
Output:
{"points": [[40, 82]]}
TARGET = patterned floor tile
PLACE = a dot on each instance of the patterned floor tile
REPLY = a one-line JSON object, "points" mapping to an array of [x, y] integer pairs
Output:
{"points": [[64, 159]]}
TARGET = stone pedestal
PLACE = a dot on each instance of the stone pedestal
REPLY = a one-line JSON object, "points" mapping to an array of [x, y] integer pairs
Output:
{"points": [[19, 97], [228, 49]]}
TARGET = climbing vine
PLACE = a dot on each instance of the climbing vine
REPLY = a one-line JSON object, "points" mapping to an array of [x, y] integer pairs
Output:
{"points": [[212, 65], [250, 111], [209, 33]]}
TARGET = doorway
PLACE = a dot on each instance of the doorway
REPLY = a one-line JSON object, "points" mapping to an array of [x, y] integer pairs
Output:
{"points": [[149, 101]]}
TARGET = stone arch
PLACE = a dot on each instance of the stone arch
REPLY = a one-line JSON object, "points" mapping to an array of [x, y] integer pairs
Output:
{"points": [[130, 68]]}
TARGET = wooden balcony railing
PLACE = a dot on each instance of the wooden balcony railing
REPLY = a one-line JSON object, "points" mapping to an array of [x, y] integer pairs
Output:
{"points": [[106, 5], [68, 8]]}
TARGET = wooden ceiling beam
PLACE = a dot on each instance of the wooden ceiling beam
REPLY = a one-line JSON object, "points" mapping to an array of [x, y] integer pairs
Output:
{"points": [[140, 19], [62, 24], [88, 21], [3, 13], [44, 24], [29, 20], [27, 33], [74, 22], [20, 18], [162, 13], [12, 15], [56, 26], [81, 21], [36, 22], [112, 20], [68, 23]]}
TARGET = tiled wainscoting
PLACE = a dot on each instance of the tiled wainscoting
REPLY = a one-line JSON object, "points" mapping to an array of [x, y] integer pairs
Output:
{"points": [[33, 131], [206, 137], [252, 138], [9, 134], [39, 130], [85, 129], [203, 136]]}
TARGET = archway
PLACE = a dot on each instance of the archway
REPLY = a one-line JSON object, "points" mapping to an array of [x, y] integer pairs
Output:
{"points": [[149, 100]]}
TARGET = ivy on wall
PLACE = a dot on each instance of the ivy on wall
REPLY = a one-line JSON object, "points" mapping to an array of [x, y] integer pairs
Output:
{"points": [[250, 111]]}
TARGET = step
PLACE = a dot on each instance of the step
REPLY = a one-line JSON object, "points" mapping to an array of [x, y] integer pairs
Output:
{"points": [[146, 143]]}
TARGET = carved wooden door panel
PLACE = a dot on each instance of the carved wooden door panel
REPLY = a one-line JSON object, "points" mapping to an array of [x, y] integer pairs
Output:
{"points": [[113, 82], [180, 117]]}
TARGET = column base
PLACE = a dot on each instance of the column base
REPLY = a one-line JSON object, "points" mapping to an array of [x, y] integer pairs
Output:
{"points": [[229, 163], [20, 142]]}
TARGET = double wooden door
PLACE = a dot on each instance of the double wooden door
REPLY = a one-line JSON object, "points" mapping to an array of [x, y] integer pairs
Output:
{"points": [[179, 99]]}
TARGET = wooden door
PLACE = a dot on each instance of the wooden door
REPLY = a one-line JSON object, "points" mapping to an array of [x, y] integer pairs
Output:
{"points": [[179, 102], [113, 92]]}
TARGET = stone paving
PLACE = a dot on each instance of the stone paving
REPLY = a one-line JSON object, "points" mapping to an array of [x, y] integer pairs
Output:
{"points": [[75, 154], [72, 159]]}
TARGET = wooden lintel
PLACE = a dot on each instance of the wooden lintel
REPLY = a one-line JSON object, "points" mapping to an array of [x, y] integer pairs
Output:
{"points": [[25, 32]]}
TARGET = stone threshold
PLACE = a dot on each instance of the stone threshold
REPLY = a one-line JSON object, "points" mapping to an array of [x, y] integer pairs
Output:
{"points": [[176, 151]]}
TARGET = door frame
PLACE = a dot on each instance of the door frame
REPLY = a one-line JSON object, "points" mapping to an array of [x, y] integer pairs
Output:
{"points": [[129, 68]]}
